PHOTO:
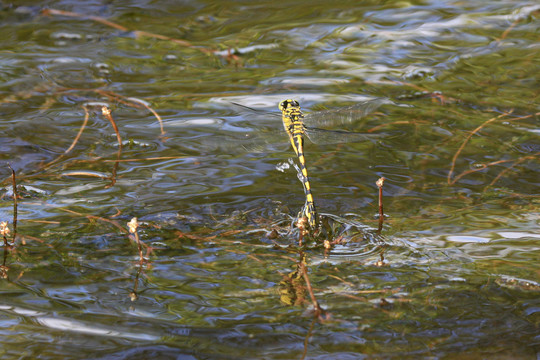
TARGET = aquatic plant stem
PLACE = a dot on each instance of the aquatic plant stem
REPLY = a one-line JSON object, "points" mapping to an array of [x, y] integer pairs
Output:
{"points": [[452, 180], [152, 111], [15, 201], [77, 137], [133, 225], [107, 114], [380, 184], [458, 152]]}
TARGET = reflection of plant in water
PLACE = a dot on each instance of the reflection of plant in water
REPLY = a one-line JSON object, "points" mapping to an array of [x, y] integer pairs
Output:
{"points": [[4, 231], [294, 285], [292, 288]]}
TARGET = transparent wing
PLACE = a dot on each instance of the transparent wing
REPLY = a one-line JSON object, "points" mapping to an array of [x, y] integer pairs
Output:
{"points": [[278, 140], [258, 113], [265, 141], [323, 136], [274, 140], [329, 118]]}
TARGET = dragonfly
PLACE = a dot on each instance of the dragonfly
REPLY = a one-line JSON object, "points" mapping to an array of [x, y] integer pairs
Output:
{"points": [[298, 125]]}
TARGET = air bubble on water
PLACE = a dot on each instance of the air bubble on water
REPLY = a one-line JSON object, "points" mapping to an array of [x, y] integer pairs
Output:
{"points": [[283, 166]]}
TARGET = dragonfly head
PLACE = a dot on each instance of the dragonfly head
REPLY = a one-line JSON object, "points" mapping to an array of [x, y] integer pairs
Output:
{"points": [[286, 104]]}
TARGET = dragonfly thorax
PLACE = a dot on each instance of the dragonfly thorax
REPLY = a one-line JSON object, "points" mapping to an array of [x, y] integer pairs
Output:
{"points": [[291, 111]]}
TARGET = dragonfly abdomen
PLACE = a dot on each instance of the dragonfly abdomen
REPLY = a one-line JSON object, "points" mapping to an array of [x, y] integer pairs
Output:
{"points": [[310, 211]]}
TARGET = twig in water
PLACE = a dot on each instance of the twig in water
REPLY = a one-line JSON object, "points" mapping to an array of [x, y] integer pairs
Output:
{"points": [[512, 26], [130, 101], [452, 181], [456, 155], [152, 111], [85, 121], [517, 162]]}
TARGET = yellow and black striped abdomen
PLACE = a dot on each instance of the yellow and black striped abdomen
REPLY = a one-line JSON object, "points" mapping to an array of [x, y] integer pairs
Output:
{"points": [[297, 141]]}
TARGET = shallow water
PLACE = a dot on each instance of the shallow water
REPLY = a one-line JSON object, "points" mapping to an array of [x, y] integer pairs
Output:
{"points": [[453, 273]]}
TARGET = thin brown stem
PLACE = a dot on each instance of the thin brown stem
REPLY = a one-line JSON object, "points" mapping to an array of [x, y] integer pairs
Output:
{"points": [[517, 162], [458, 152], [152, 111], [452, 181], [15, 201], [133, 225], [107, 113], [380, 184], [93, 217], [77, 137], [510, 28]]}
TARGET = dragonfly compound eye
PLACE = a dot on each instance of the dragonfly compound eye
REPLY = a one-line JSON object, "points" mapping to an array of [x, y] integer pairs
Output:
{"points": [[285, 104]]}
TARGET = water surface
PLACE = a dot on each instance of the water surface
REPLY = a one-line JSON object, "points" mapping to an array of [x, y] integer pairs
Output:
{"points": [[453, 273]]}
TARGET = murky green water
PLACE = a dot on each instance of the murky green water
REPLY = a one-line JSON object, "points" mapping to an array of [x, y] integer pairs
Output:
{"points": [[454, 272]]}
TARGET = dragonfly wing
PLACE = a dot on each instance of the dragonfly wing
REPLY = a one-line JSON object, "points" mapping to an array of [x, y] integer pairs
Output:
{"points": [[266, 142], [328, 118], [257, 113], [323, 136]]}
